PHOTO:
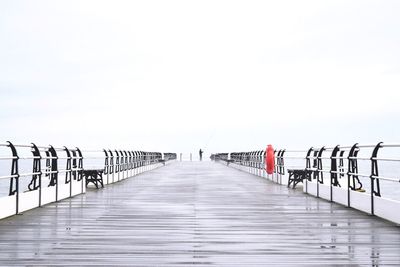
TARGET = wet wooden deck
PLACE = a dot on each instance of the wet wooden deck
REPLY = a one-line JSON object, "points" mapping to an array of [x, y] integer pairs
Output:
{"points": [[202, 214]]}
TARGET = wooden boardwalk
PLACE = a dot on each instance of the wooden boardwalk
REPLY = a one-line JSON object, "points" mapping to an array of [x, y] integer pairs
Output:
{"points": [[197, 213]]}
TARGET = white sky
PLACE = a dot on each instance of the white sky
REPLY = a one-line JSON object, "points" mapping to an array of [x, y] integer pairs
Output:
{"points": [[180, 75]]}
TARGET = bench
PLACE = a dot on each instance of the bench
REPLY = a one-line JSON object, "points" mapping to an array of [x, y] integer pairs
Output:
{"points": [[298, 175], [228, 161], [94, 176]]}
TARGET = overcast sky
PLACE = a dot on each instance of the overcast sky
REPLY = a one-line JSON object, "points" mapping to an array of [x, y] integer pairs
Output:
{"points": [[180, 75]]}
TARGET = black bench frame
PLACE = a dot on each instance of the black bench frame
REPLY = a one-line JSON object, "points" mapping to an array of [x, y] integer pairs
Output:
{"points": [[298, 175], [94, 176]]}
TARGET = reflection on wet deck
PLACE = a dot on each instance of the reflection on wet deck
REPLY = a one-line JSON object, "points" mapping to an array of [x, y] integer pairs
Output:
{"points": [[198, 213]]}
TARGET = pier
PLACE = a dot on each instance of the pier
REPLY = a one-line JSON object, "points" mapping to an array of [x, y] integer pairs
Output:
{"points": [[197, 213], [200, 133]]}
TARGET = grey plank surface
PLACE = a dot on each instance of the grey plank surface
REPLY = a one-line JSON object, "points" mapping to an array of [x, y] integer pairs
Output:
{"points": [[197, 213]]}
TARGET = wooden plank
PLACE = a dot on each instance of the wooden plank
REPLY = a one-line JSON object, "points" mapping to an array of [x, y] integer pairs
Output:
{"points": [[196, 213]]}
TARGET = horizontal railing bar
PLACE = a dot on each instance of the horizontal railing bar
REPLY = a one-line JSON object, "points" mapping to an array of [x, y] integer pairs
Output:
{"points": [[19, 145], [332, 148], [386, 159], [38, 173], [34, 157], [49, 172], [30, 146], [360, 158], [39, 147], [359, 174], [8, 176], [29, 174], [345, 147], [62, 170], [366, 145], [390, 145], [386, 178], [44, 157], [325, 148], [43, 147]]}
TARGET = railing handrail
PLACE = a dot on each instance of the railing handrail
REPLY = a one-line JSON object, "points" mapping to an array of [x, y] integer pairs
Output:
{"points": [[119, 161], [251, 157]]}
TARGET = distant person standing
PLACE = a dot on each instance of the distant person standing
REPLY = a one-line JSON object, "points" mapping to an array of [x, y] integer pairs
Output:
{"points": [[201, 154]]}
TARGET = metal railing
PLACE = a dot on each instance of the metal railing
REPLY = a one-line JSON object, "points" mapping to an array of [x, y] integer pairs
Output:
{"points": [[64, 166], [51, 155], [337, 166]]}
